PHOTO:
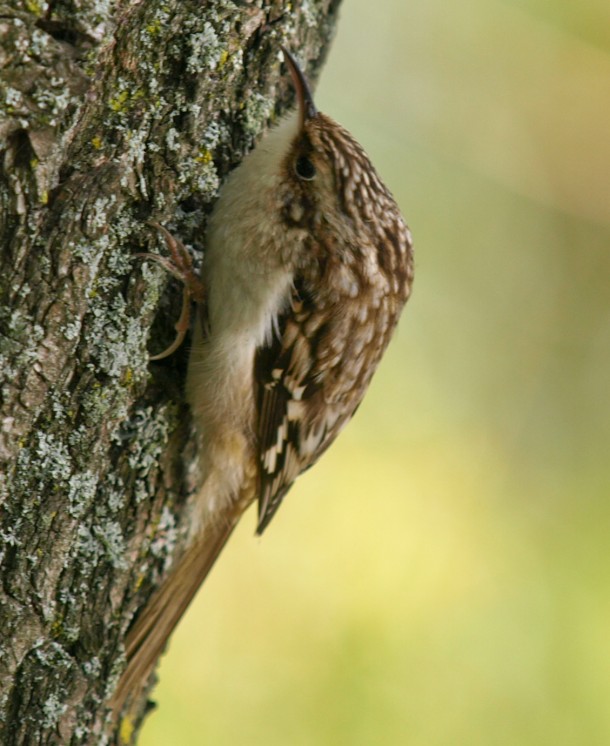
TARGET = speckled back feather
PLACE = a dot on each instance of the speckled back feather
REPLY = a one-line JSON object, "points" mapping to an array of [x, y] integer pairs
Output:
{"points": [[353, 277]]}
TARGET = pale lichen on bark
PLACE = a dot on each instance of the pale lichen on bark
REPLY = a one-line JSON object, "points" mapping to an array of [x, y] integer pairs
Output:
{"points": [[111, 113]]}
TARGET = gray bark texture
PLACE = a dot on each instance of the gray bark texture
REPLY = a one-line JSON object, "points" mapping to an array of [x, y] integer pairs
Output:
{"points": [[111, 114]]}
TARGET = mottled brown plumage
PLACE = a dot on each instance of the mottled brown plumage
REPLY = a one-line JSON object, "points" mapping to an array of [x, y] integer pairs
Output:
{"points": [[307, 267], [349, 287]]}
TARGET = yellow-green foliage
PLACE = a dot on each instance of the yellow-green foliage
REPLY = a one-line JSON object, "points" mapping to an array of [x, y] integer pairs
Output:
{"points": [[441, 577]]}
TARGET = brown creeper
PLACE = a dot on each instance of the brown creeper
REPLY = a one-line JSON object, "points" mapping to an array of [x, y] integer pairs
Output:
{"points": [[307, 267]]}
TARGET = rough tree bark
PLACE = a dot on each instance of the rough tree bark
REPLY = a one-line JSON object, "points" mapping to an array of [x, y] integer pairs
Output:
{"points": [[112, 114]]}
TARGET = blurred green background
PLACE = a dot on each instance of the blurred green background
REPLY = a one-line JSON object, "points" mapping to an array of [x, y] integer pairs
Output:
{"points": [[442, 576]]}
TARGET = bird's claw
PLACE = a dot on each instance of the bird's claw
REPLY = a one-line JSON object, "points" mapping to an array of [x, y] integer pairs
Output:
{"points": [[180, 265]]}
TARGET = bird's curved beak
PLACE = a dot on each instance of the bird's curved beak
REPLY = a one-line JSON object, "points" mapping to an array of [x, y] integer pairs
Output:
{"points": [[307, 108]]}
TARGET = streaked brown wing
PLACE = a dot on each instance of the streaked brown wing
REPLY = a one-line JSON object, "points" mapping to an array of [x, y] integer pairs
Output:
{"points": [[311, 378], [284, 371]]}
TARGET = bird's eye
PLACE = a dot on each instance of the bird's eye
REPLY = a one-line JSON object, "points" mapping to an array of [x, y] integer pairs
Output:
{"points": [[304, 168]]}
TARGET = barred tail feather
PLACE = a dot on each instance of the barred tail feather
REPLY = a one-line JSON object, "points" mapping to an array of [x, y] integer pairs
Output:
{"points": [[149, 635]]}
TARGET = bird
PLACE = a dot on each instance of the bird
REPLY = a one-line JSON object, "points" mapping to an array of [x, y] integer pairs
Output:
{"points": [[308, 263]]}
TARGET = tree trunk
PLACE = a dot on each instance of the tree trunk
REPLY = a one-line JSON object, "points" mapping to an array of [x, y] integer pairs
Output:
{"points": [[111, 117]]}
